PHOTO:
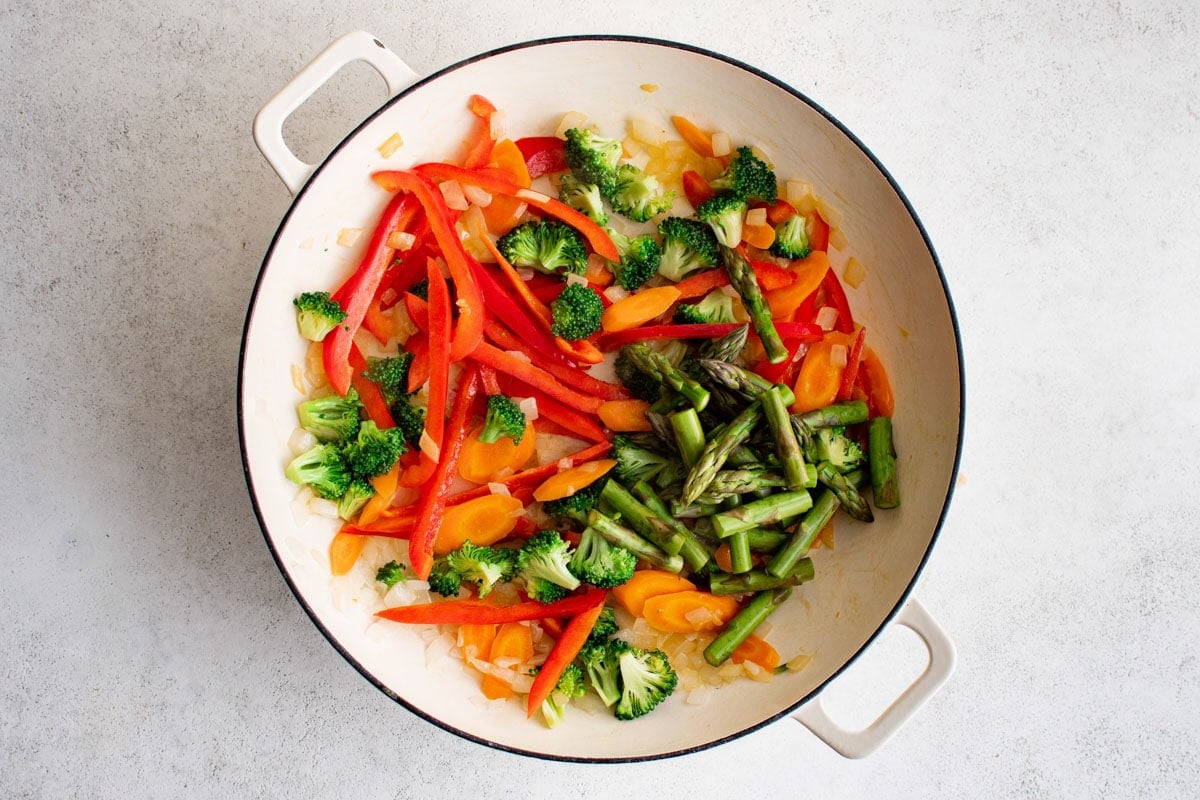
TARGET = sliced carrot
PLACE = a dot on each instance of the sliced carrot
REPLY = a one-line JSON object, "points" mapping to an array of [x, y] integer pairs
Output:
{"points": [[825, 537], [571, 480], [701, 283], [625, 415], [683, 612], [758, 651], [344, 551], [647, 583], [696, 138], [479, 461], [760, 236], [475, 639], [723, 557], [507, 156], [818, 380], [504, 212], [485, 520], [385, 487], [809, 273], [513, 641], [597, 273], [638, 308]]}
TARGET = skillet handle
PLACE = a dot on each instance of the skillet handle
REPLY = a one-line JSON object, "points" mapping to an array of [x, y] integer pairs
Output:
{"points": [[268, 123], [857, 744]]}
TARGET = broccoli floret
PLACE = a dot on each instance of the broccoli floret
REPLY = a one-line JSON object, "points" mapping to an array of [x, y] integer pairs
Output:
{"points": [[748, 176], [636, 463], [390, 375], [482, 565], [605, 627], [323, 469], [420, 289], [646, 680], [834, 446], [640, 258], [601, 661], [791, 238], [639, 384], [592, 157], [637, 195], [375, 450], [715, 307], [504, 418], [600, 563], [725, 213], [332, 418], [410, 420], [688, 245], [576, 312], [317, 314], [570, 685], [575, 506], [356, 496], [546, 245], [543, 565], [444, 579], [583, 197], [390, 574]]}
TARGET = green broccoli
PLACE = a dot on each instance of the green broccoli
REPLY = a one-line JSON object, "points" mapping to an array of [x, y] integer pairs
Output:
{"points": [[646, 680], [716, 306], [390, 375], [482, 565], [570, 685], [504, 418], [636, 463], [601, 564], [791, 238], [575, 506], [410, 420], [688, 245], [834, 446], [420, 289], [317, 314], [332, 418], [639, 384], [322, 468], [605, 627], [356, 496], [725, 213], [601, 661], [592, 158], [576, 312], [583, 197], [637, 195], [390, 574], [543, 566], [748, 177], [444, 579], [640, 258], [375, 450], [546, 245]]}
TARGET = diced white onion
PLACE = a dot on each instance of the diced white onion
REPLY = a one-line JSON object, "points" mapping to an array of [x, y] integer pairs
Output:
{"points": [[429, 447], [721, 144], [320, 507], [478, 196], [727, 289], [496, 125], [827, 317], [529, 408], [525, 274], [573, 278], [388, 297], [699, 617], [616, 293], [401, 240], [837, 355], [565, 463], [756, 216], [499, 488], [799, 662], [855, 274], [837, 239], [452, 191], [571, 119], [390, 145], [831, 215], [301, 441], [645, 131], [797, 191], [348, 236]]}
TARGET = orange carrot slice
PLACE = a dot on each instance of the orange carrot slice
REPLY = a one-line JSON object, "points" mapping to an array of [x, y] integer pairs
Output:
{"points": [[647, 583], [485, 520], [757, 650], [638, 308], [479, 461], [809, 273], [696, 138], [625, 415], [344, 551], [690, 611], [818, 380], [571, 480]]}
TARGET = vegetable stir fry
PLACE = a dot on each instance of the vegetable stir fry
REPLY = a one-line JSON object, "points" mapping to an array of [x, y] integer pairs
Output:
{"points": [[671, 309]]}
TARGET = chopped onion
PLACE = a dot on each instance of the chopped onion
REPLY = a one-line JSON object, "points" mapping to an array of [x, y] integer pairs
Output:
{"points": [[301, 441], [837, 239], [320, 507], [565, 463], [799, 662], [499, 488], [855, 273], [837, 355], [756, 216], [390, 145], [453, 192], [645, 131], [388, 297], [827, 317], [529, 408], [298, 380], [828, 213], [525, 274], [797, 191], [348, 236], [616, 293], [478, 196], [721, 144], [401, 240], [571, 119], [429, 447], [573, 278], [699, 617], [496, 125]]}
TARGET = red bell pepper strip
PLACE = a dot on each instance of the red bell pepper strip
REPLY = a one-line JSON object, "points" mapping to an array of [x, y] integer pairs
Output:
{"points": [[777, 373], [818, 231], [780, 211], [377, 323], [543, 154], [504, 307], [418, 371], [770, 275], [570, 375], [483, 612], [439, 351], [368, 393], [469, 329], [573, 422], [536, 377], [695, 188], [701, 283], [418, 309], [479, 142], [853, 360], [708, 330], [432, 505], [836, 297], [359, 290], [491, 385], [494, 182], [537, 309], [565, 649]]}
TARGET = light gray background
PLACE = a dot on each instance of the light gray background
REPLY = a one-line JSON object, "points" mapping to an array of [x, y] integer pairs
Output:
{"points": [[149, 647]]}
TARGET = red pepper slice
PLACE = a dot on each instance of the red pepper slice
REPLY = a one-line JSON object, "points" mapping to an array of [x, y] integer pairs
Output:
{"points": [[837, 298], [574, 423], [503, 306], [536, 377], [469, 329], [418, 371], [479, 142], [543, 154], [853, 360], [372, 399], [695, 188], [466, 612], [490, 383], [418, 309], [780, 211], [439, 351], [432, 505], [359, 290], [570, 375], [711, 330], [818, 231], [565, 649]]}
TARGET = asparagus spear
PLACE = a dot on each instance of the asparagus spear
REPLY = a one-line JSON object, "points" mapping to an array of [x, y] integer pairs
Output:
{"points": [[786, 444], [744, 623], [621, 536], [784, 560], [738, 379], [849, 412], [641, 519], [692, 552], [742, 278], [759, 580], [729, 482], [768, 511], [739, 553], [661, 427], [727, 347], [717, 450], [847, 493], [689, 434], [881, 452], [661, 369]]}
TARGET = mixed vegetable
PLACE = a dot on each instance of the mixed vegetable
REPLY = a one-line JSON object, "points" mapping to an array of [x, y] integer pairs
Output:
{"points": [[746, 409]]}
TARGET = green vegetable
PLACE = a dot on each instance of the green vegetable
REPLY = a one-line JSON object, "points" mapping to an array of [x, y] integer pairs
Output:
{"points": [[374, 451], [546, 245], [444, 579], [716, 306], [592, 158], [725, 214], [742, 278], [576, 312], [355, 497], [833, 445], [759, 580], [713, 457], [640, 259], [600, 563], [504, 419], [661, 369], [390, 375], [332, 418], [605, 627], [844, 486], [583, 197], [748, 177], [570, 685], [768, 511], [791, 238], [317, 314], [634, 462], [321, 468], [390, 574], [575, 506], [482, 565], [787, 448], [646, 680], [543, 564], [798, 544], [637, 195], [743, 624], [420, 289], [621, 536], [688, 245], [885, 488], [601, 661], [640, 385], [409, 417]]}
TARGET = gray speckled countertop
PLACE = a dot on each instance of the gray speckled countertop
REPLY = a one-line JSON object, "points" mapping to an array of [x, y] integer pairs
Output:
{"points": [[149, 646]]}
